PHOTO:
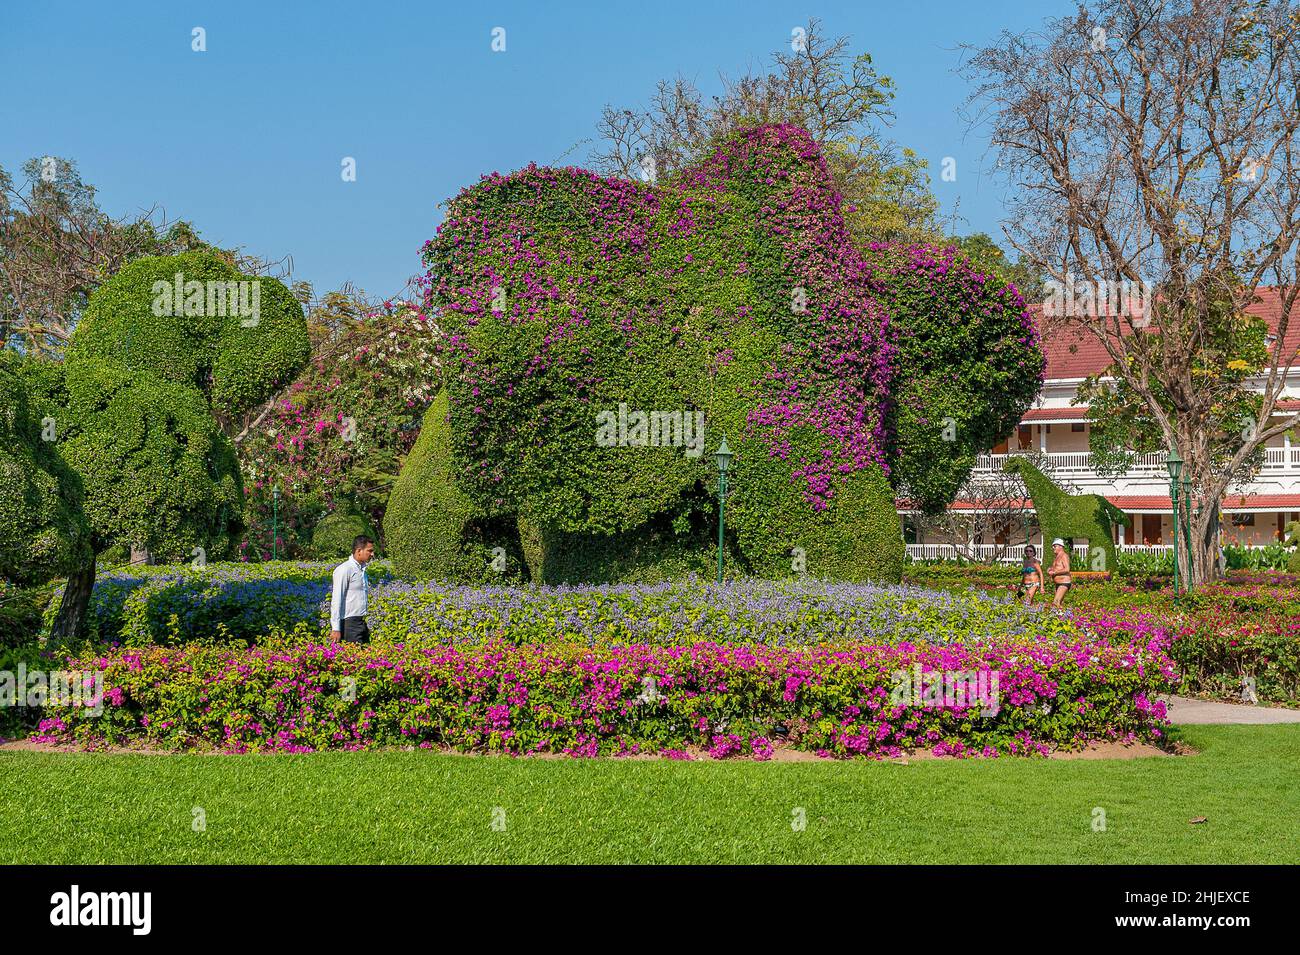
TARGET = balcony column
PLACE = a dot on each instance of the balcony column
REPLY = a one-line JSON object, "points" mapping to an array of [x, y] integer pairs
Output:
{"points": [[1042, 438], [1120, 528]]}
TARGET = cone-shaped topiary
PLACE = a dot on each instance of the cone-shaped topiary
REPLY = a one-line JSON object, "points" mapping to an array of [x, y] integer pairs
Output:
{"points": [[433, 531]]}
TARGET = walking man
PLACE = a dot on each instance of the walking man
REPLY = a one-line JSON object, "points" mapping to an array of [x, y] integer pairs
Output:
{"points": [[351, 594], [1060, 571]]}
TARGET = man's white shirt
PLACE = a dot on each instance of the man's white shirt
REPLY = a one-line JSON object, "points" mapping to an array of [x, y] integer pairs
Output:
{"points": [[351, 593]]}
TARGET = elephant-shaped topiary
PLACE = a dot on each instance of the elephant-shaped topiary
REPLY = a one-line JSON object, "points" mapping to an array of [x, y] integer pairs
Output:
{"points": [[1071, 517], [602, 336]]}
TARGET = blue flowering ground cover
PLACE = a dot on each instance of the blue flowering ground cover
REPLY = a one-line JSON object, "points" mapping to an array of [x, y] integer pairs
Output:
{"points": [[248, 602]]}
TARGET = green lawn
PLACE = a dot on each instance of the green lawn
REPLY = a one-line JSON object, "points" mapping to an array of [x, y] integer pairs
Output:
{"points": [[424, 808]]}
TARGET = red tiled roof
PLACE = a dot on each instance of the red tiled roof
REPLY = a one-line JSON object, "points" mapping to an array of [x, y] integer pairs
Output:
{"points": [[1231, 502], [1137, 502], [1081, 412], [1075, 413], [1074, 352], [1279, 502], [999, 505]]}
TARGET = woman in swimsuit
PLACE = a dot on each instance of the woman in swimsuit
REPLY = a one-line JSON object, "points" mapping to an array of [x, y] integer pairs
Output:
{"points": [[1032, 575], [1060, 571]]}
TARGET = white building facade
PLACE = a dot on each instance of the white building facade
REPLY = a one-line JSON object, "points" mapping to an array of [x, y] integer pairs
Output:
{"points": [[1059, 431]]}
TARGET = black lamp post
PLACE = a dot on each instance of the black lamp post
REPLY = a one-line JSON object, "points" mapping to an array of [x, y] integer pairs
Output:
{"points": [[723, 458], [1174, 464]]}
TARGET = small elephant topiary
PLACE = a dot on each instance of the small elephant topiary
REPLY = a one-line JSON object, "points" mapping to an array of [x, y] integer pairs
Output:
{"points": [[1071, 516]]}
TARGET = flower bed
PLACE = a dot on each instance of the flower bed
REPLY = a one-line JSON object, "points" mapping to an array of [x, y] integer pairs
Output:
{"points": [[1228, 640], [224, 601], [1244, 628], [244, 602], [584, 700], [748, 611]]}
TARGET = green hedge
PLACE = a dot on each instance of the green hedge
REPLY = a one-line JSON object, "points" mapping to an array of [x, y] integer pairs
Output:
{"points": [[43, 532], [335, 533]]}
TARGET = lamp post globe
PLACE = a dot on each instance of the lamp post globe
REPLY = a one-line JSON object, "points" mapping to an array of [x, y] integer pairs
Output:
{"points": [[1174, 464], [723, 456]]}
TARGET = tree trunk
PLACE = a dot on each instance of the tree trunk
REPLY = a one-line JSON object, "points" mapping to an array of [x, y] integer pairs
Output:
{"points": [[1209, 549], [70, 623], [1204, 562], [140, 556]]}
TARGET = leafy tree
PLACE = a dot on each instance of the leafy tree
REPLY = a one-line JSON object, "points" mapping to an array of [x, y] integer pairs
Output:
{"points": [[57, 246], [147, 381], [1158, 145], [840, 99]]}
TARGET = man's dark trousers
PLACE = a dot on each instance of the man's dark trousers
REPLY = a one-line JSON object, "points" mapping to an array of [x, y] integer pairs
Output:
{"points": [[355, 630]]}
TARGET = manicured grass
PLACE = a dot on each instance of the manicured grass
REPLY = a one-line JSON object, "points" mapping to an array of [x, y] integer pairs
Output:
{"points": [[418, 807]]}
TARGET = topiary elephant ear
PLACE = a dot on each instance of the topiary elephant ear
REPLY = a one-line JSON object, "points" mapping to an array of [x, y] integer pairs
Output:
{"points": [[969, 366], [603, 336], [195, 320], [43, 532]]}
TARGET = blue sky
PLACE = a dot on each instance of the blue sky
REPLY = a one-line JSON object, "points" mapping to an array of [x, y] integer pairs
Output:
{"points": [[246, 139]]}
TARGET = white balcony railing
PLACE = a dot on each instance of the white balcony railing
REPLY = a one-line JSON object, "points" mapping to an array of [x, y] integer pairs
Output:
{"points": [[1151, 463], [1282, 459], [1006, 554], [1013, 553]]}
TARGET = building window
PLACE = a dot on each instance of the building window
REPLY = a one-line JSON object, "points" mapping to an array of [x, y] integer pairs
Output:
{"points": [[1242, 520], [1076, 428]]}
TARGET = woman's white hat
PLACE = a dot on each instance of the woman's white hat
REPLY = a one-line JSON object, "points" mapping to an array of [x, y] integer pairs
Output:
{"points": [[1058, 540]]}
